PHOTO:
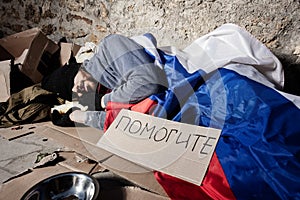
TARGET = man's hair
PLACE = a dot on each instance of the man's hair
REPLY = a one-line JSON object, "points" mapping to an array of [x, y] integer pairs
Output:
{"points": [[82, 68], [61, 81]]}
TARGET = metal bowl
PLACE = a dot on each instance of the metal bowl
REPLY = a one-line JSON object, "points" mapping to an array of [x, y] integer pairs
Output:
{"points": [[65, 186]]}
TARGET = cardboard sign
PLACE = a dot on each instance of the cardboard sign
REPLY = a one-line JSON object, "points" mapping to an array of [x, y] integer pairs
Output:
{"points": [[180, 150]]}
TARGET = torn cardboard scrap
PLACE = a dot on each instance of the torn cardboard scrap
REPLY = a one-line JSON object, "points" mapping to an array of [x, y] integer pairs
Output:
{"points": [[83, 140], [180, 150], [4, 80], [34, 50], [67, 50]]}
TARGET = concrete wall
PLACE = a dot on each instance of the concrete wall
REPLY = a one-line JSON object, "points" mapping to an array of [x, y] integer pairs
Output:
{"points": [[174, 22]]}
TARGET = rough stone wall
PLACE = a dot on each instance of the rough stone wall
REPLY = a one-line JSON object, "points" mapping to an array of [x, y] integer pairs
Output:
{"points": [[174, 22]]}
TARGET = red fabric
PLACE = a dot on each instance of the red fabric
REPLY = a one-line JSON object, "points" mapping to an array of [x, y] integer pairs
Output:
{"points": [[113, 109], [214, 185]]}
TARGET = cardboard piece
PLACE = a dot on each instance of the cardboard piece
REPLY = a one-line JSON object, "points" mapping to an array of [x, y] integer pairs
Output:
{"points": [[20, 154], [4, 80], [33, 50], [18, 131], [17, 187], [67, 49], [5, 55], [84, 141], [77, 162], [29, 56], [130, 193], [68, 161], [178, 149]]}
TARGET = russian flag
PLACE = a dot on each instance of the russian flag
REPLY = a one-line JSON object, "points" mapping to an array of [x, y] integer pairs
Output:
{"points": [[228, 80]]}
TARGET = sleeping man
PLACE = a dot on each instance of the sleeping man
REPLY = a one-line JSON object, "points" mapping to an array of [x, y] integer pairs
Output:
{"points": [[120, 71], [226, 79]]}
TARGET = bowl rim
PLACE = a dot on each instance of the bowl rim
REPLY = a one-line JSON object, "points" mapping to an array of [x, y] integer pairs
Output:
{"points": [[94, 180]]}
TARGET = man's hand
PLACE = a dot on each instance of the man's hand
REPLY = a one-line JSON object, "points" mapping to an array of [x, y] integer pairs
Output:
{"points": [[78, 116], [62, 119]]}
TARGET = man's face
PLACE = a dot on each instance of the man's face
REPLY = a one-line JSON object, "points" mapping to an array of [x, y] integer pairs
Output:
{"points": [[83, 83]]}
